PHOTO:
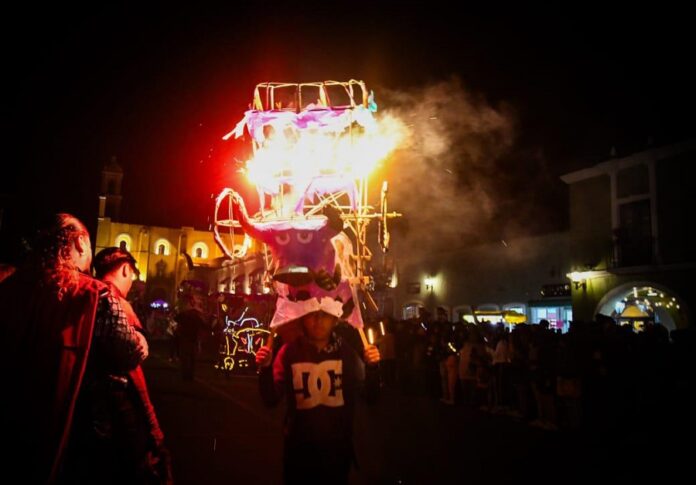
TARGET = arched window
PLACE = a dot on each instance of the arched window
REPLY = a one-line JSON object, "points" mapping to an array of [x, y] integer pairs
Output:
{"points": [[200, 250], [638, 302], [162, 247], [123, 241]]}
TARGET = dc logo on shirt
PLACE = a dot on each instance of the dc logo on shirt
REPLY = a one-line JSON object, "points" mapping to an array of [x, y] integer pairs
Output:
{"points": [[316, 384]]}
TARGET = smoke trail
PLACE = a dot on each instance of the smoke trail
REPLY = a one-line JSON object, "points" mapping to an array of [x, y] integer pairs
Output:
{"points": [[442, 177]]}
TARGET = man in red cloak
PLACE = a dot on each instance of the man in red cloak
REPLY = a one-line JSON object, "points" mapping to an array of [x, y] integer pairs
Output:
{"points": [[54, 317]]}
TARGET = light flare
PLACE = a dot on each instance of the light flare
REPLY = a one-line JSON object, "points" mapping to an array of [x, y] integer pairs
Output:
{"points": [[321, 158]]}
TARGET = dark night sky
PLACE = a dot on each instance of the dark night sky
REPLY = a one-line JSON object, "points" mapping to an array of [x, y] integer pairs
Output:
{"points": [[159, 88]]}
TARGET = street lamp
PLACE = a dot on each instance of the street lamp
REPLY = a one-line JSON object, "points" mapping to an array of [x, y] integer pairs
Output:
{"points": [[579, 279], [429, 283]]}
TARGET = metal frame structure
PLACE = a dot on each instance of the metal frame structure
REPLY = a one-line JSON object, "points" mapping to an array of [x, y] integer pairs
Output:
{"points": [[356, 219]]}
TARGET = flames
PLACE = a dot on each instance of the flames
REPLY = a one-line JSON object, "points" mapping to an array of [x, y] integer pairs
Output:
{"points": [[304, 154], [319, 150]]}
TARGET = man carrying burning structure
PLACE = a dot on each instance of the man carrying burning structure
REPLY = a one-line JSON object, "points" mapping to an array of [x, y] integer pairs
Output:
{"points": [[321, 377], [313, 159]]}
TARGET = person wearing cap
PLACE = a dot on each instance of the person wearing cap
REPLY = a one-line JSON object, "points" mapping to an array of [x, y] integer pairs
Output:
{"points": [[321, 378], [136, 442]]}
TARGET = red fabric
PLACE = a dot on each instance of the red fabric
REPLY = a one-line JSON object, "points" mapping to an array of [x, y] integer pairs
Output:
{"points": [[46, 342], [137, 376]]}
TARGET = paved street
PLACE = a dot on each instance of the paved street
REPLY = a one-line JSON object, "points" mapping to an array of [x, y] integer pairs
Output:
{"points": [[219, 432]]}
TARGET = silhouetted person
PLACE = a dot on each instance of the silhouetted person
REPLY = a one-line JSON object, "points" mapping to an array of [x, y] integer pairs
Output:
{"points": [[190, 324], [135, 451], [320, 377]]}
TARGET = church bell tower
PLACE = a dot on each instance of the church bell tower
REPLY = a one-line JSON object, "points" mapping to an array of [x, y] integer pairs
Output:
{"points": [[110, 193]]}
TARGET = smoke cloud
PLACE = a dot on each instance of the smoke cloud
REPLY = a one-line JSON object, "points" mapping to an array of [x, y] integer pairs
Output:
{"points": [[443, 175]]}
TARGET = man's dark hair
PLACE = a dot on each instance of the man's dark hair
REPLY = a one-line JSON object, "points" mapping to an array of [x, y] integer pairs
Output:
{"points": [[111, 258]]}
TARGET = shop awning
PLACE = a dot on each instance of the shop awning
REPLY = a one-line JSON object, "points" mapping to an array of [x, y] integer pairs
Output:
{"points": [[632, 311], [509, 316]]}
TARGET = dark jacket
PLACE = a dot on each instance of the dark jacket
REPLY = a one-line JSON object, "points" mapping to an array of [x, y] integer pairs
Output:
{"points": [[46, 345], [320, 387], [137, 377]]}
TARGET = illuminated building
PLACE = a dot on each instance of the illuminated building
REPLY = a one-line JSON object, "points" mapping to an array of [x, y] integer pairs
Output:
{"points": [[626, 254], [525, 275], [632, 258], [167, 256]]}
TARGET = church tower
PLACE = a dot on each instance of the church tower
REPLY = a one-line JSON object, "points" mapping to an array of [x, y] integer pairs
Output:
{"points": [[110, 194]]}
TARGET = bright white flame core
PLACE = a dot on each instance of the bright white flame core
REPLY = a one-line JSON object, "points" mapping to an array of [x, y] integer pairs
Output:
{"points": [[321, 155]]}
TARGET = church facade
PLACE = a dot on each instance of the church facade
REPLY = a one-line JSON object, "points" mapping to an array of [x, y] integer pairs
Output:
{"points": [[168, 256]]}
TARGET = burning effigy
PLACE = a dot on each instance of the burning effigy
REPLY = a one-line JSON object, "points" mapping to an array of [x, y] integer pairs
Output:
{"points": [[314, 146]]}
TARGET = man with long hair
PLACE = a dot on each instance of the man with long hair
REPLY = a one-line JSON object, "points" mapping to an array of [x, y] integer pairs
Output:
{"points": [[56, 322]]}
